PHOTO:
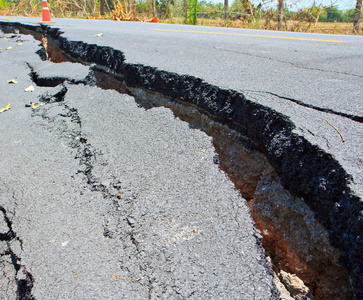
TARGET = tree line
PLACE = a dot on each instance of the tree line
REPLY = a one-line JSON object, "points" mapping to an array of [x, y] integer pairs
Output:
{"points": [[329, 14], [191, 10]]}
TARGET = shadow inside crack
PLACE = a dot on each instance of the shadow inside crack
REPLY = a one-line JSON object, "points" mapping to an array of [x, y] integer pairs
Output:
{"points": [[53, 81]]}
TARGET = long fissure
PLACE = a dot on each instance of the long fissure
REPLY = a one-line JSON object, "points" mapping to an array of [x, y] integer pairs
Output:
{"points": [[299, 195]]}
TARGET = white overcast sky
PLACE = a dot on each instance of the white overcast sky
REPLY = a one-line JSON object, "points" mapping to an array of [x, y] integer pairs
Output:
{"points": [[342, 4]]}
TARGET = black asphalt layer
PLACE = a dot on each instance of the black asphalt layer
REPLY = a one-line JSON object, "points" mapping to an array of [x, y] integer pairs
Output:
{"points": [[108, 200], [314, 80]]}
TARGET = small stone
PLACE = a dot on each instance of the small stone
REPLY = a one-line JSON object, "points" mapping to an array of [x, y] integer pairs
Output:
{"points": [[295, 286], [131, 221], [284, 293]]}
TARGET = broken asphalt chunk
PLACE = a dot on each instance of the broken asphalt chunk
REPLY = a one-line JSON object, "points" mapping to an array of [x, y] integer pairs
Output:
{"points": [[56, 97]]}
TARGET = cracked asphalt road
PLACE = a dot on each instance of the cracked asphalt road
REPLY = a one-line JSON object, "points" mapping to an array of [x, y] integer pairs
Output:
{"points": [[316, 85], [304, 76], [312, 71], [113, 201]]}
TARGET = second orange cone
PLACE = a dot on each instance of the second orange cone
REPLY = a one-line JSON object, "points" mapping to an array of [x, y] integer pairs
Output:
{"points": [[46, 15]]}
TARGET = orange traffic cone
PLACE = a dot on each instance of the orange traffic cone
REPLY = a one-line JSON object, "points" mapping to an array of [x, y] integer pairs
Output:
{"points": [[46, 15], [153, 20]]}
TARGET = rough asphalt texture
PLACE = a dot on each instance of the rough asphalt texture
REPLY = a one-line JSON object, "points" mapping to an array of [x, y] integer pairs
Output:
{"points": [[108, 200], [300, 85]]}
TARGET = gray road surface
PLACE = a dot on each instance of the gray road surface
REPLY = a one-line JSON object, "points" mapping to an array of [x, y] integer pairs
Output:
{"points": [[107, 200], [314, 79]]}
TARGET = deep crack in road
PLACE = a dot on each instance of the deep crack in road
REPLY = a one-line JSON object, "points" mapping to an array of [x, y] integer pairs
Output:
{"points": [[171, 256], [119, 202]]}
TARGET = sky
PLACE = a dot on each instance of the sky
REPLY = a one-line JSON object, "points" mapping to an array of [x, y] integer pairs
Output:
{"points": [[295, 4]]}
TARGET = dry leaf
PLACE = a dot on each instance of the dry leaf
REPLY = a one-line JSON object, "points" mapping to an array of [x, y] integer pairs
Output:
{"points": [[7, 107], [12, 81], [18, 44], [8, 48], [30, 88], [36, 105], [99, 34]]}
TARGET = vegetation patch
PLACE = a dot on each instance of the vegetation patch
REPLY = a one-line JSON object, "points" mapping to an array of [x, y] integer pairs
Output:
{"points": [[267, 15]]}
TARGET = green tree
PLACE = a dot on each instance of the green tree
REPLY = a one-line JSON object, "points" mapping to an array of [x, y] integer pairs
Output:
{"points": [[348, 15], [164, 6], [192, 11], [334, 14], [144, 7]]}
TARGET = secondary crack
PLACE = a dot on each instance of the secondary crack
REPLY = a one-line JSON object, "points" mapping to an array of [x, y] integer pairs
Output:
{"points": [[24, 279], [289, 63], [317, 108], [118, 223]]}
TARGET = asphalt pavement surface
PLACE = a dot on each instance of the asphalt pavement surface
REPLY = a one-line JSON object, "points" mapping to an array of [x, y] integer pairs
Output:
{"points": [[104, 199], [312, 78]]}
